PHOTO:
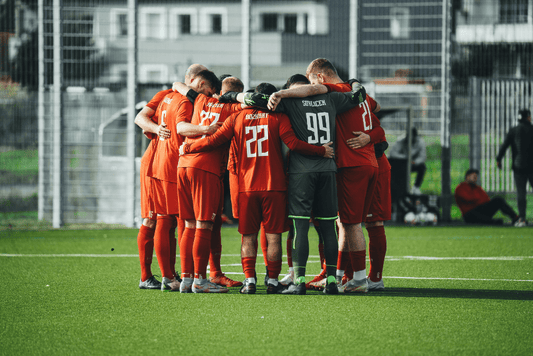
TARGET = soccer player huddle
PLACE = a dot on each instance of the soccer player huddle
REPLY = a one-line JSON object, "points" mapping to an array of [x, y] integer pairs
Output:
{"points": [[312, 151]]}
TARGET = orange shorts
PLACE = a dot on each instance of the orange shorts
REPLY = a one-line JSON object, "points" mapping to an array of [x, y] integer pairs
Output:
{"points": [[199, 194], [380, 207], [234, 194], [355, 189], [268, 207], [165, 197], [147, 203]]}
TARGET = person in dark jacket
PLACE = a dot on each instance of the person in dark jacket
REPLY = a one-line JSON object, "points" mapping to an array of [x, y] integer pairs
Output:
{"points": [[520, 138]]}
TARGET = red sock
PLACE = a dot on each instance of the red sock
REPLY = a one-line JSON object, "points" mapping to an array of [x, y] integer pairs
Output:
{"points": [[145, 243], [348, 272], [264, 244], [377, 248], [358, 259], [248, 266], [162, 244], [342, 260], [186, 245], [274, 269], [173, 246], [200, 252], [181, 227], [215, 252]]}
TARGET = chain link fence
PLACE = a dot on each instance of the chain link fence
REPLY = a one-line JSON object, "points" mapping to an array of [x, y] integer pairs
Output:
{"points": [[75, 72]]}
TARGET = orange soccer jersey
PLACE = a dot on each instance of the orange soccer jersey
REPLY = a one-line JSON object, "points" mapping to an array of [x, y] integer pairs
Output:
{"points": [[356, 119], [147, 205], [208, 111], [173, 109], [257, 135]]}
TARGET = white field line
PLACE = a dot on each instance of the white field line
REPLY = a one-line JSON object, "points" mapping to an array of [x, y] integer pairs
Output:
{"points": [[387, 258]]}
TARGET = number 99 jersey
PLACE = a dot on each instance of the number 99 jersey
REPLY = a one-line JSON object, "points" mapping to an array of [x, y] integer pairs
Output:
{"points": [[313, 121]]}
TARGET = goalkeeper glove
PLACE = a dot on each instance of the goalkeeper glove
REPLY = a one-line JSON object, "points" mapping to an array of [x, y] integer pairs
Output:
{"points": [[256, 99], [380, 148], [358, 91], [228, 97]]}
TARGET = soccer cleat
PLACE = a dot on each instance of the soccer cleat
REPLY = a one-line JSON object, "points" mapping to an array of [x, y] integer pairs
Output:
{"points": [[520, 223], [150, 283], [331, 286], [248, 288], [416, 191], [298, 289], [345, 279], [208, 287], [319, 285], [318, 278], [224, 281], [288, 279], [272, 289], [170, 285], [186, 285], [375, 285], [353, 286]]}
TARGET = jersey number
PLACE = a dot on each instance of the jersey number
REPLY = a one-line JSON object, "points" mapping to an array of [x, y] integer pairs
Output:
{"points": [[318, 125], [256, 130], [209, 116], [366, 116]]}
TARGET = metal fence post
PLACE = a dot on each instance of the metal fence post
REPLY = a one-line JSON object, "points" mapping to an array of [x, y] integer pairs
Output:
{"points": [[132, 100], [246, 44], [475, 127], [57, 150]]}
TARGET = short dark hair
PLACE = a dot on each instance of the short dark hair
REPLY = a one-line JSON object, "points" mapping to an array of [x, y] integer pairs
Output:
{"points": [[297, 78], [211, 78], [224, 76], [524, 114], [265, 88], [470, 171]]}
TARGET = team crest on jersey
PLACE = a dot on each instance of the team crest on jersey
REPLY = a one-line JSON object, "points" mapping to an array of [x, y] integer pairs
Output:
{"points": [[167, 100]]}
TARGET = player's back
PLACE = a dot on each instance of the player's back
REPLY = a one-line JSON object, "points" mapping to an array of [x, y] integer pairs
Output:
{"points": [[313, 121], [356, 119], [172, 109], [258, 144], [208, 111]]}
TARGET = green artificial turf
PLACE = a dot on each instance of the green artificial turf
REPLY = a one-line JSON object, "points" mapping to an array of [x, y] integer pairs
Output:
{"points": [[76, 292]]}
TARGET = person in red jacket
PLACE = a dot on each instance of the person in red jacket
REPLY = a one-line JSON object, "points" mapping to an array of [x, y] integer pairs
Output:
{"points": [[476, 205]]}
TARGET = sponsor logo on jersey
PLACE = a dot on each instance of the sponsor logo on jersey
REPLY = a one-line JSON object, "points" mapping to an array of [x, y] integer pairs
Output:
{"points": [[261, 115], [215, 105], [314, 104], [167, 100]]}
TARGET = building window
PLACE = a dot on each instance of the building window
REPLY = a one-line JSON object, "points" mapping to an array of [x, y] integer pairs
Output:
{"points": [[153, 73], [216, 23], [213, 20], [269, 22], [119, 23], [153, 23], [513, 11], [290, 23], [399, 22], [183, 21]]}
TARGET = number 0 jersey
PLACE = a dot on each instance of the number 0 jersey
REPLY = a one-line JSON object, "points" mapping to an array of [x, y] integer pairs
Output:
{"points": [[313, 121], [172, 109]]}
